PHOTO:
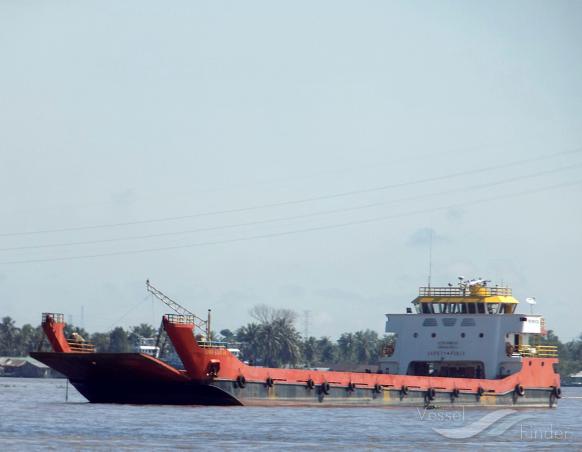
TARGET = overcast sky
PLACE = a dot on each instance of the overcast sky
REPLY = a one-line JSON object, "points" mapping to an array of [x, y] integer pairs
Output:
{"points": [[323, 142]]}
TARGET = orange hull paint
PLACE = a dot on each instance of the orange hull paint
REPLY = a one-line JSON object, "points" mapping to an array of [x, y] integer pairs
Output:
{"points": [[214, 376], [536, 373]]}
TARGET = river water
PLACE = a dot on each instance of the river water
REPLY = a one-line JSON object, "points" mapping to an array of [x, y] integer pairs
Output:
{"points": [[35, 415]]}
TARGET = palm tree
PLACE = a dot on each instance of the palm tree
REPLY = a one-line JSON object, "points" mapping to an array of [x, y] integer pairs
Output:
{"points": [[118, 341], [346, 347], [249, 338], [309, 350], [8, 337], [270, 341], [289, 341], [366, 346], [29, 339], [327, 351], [274, 341]]}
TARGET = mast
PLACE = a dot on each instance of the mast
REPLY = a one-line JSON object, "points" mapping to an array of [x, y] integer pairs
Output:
{"points": [[430, 259]]}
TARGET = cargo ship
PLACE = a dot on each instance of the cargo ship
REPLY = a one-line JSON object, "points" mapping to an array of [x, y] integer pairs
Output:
{"points": [[456, 345]]}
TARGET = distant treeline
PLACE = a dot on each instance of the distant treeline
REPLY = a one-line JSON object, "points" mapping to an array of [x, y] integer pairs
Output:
{"points": [[271, 339]]}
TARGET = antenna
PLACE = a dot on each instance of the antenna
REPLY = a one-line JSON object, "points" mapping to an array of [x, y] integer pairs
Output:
{"points": [[430, 258], [306, 323], [531, 301]]}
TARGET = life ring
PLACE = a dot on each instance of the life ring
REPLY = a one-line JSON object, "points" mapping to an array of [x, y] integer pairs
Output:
{"points": [[269, 382], [519, 390], [351, 387], [430, 393], [456, 393], [557, 392], [377, 388], [404, 390], [310, 384], [509, 349], [241, 381], [388, 350], [325, 387]]}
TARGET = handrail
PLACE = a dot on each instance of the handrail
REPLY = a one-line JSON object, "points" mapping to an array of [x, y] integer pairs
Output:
{"points": [[463, 292], [180, 319], [538, 351], [81, 347], [57, 317]]}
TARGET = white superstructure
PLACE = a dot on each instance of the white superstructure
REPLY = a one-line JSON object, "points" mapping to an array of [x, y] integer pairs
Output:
{"points": [[469, 331]]}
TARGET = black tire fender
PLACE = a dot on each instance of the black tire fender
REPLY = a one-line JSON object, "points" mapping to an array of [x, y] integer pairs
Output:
{"points": [[519, 390], [430, 393]]}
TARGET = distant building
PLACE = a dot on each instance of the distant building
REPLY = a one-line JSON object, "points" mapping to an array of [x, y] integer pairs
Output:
{"points": [[573, 380], [25, 367]]}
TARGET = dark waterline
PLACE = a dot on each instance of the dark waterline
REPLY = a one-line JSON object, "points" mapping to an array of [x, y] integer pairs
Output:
{"points": [[34, 415]]}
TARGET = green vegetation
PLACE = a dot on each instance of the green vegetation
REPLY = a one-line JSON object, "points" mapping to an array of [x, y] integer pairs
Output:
{"points": [[271, 339], [570, 353]]}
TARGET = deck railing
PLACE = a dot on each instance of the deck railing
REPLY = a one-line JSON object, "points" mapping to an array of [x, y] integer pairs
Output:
{"points": [[81, 347], [56, 316], [538, 351], [181, 319], [218, 344], [460, 292]]}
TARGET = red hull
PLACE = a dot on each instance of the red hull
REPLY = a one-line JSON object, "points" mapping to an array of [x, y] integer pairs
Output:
{"points": [[214, 376]]}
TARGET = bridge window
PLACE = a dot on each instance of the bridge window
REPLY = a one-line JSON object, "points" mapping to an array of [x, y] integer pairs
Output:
{"points": [[507, 308], [457, 308], [481, 308], [492, 308], [472, 308]]}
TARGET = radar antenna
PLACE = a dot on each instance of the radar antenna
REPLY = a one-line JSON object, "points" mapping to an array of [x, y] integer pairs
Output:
{"points": [[531, 301]]}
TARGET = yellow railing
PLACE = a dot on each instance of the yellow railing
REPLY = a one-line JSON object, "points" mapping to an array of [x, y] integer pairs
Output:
{"points": [[538, 351], [81, 347]]}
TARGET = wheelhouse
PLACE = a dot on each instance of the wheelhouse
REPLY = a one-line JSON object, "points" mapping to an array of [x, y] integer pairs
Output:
{"points": [[473, 297]]}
